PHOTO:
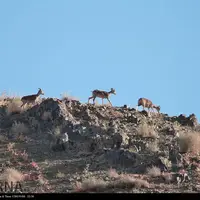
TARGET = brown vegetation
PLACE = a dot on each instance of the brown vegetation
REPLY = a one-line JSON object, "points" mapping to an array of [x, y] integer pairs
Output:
{"points": [[153, 171], [11, 175], [146, 130], [189, 142]]}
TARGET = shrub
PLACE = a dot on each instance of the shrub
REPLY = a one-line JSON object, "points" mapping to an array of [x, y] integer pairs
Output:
{"points": [[146, 130], [11, 175], [153, 171], [189, 142], [19, 127]]}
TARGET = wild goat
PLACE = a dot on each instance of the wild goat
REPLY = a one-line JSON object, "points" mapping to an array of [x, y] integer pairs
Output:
{"points": [[31, 99], [101, 94], [146, 103]]}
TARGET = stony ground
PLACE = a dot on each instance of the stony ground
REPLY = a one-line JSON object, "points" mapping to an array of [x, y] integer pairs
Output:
{"points": [[65, 146]]}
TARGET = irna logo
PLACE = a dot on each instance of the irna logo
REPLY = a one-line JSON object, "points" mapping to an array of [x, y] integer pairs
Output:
{"points": [[8, 187]]}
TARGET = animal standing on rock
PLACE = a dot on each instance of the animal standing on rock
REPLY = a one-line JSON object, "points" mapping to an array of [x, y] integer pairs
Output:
{"points": [[101, 94], [31, 99], [146, 103]]}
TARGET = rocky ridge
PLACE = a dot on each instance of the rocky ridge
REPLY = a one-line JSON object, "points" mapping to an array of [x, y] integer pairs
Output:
{"points": [[76, 137]]}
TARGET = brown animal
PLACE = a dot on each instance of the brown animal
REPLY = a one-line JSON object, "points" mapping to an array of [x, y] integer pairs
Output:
{"points": [[146, 103], [31, 99], [101, 94]]}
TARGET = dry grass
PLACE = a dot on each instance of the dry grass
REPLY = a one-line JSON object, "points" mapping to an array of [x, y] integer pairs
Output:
{"points": [[11, 175], [3, 95], [6, 99], [66, 96], [153, 171], [60, 175], [105, 103], [56, 131], [146, 130], [6, 95], [126, 181], [168, 177], [91, 184], [14, 106], [18, 128], [122, 181], [3, 101], [189, 142]]}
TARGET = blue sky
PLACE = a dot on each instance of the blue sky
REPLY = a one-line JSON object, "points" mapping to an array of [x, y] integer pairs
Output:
{"points": [[141, 48]]}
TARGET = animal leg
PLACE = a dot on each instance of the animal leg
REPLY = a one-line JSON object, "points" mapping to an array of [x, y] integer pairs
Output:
{"points": [[94, 100], [28, 104], [23, 104], [89, 99], [102, 101], [109, 101], [149, 113], [152, 109]]}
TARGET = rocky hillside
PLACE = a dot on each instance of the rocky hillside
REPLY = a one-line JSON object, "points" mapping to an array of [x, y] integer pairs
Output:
{"points": [[66, 146]]}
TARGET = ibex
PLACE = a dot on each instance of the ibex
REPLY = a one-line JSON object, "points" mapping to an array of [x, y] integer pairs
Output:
{"points": [[31, 99], [101, 94], [146, 103]]}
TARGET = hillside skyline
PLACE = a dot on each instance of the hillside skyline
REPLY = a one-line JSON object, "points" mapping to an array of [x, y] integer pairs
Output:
{"points": [[142, 49]]}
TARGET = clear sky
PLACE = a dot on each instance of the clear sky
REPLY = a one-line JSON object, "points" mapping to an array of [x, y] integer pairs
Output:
{"points": [[141, 48]]}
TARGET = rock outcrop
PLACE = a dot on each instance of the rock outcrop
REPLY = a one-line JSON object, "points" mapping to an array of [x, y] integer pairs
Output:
{"points": [[118, 137]]}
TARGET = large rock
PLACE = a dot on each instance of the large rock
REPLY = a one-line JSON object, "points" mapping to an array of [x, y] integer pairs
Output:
{"points": [[122, 157], [191, 120]]}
